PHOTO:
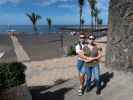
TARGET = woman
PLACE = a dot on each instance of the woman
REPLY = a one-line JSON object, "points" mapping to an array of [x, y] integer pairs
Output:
{"points": [[92, 67], [80, 61]]}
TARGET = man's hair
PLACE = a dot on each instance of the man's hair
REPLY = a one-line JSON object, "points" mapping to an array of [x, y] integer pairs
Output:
{"points": [[81, 33]]}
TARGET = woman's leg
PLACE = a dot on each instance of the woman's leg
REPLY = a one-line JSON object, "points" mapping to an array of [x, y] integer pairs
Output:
{"points": [[96, 71], [89, 75]]}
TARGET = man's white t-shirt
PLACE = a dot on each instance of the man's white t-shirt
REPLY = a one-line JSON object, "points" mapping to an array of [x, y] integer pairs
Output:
{"points": [[78, 49]]}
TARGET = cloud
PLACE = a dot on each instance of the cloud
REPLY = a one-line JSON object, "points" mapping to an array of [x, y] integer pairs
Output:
{"points": [[50, 2], [66, 6], [13, 19], [103, 5], [9, 1]]}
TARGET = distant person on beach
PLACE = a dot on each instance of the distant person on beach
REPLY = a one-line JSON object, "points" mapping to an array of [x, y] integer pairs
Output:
{"points": [[2, 54], [80, 61], [92, 67]]}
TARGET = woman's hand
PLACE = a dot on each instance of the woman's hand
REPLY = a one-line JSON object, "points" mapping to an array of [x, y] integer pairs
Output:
{"points": [[89, 59]]}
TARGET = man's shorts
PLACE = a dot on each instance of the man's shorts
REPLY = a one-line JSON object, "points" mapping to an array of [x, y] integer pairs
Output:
{"points": [[90, 69], [85, 70], [80, 65]]}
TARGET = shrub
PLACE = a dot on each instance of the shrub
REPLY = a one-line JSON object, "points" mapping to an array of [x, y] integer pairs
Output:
{"points": [[11, 74], [71, 51]]}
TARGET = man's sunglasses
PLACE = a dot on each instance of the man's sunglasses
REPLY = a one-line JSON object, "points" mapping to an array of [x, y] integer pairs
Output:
{"points": [[82, 37]]}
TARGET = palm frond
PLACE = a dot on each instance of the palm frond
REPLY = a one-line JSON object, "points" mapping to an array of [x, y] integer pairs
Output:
{"points": [[29, 16], [96, 12], [92, 3], [81, 2], [34, 18], [99, 21]]}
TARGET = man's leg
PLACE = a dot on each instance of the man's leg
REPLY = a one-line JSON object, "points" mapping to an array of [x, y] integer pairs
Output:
{"points": [[80, 64], [82, 80]]}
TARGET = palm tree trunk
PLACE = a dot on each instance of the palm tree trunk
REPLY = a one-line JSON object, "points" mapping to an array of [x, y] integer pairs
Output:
{"points": [[92, 24], [80, 18], [34, 28], [95, 24], [61, 39], [49, 28]]}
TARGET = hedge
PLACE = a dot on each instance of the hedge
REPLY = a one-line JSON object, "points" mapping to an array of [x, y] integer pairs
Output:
{"points": [[11, 74]]}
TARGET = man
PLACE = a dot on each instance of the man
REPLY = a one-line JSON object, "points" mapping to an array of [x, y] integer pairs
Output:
{"points": [[80, 61]]}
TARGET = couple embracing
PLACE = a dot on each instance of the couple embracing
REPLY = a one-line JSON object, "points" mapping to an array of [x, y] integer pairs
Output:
{"points": [[88, 63]]}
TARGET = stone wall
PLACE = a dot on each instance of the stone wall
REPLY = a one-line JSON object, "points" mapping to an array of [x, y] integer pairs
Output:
{"points": [[119, 53]]}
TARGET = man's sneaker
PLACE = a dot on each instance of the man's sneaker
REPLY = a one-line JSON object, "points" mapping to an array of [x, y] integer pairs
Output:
{"points": [[80, 92]]}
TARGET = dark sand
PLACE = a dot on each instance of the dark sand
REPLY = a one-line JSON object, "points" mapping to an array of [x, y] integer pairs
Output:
{"points": [[47, 46], [6, 45]]}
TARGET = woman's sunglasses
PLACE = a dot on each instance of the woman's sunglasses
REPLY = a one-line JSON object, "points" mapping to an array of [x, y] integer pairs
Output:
{"points": [[91, 38]]}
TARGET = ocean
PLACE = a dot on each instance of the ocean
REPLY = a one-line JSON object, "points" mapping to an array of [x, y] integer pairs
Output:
{"points": [[42, 29], [29, 29]]}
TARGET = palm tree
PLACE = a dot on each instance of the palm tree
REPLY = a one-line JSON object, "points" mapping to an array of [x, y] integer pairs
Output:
{"points": [[49, 22], [99, 21], [92, 4], [96, 14], [82, 23], [81, 4], [34, 18]]}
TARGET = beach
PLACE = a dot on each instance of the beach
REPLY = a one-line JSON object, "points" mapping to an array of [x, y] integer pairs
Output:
{"points": [[41, 47], [7, 47], [37, 46]]}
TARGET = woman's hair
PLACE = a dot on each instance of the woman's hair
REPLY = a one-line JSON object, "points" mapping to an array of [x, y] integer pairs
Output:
{"points": [[91, 35]]}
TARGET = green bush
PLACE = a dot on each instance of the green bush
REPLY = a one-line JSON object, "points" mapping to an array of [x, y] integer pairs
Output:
{"points": [[11, 74], [71, 51]]}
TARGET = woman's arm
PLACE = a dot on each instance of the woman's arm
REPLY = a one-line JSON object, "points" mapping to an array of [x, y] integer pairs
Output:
{"points": [[85, 58], [99, 53]]}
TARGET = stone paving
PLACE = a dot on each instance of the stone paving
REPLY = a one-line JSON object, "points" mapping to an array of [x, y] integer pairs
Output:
{"points": [[41, 77], [20, 52], [117, 85]]}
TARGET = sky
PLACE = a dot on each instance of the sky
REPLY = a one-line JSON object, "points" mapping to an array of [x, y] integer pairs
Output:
{"points": [[62, 12]]}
